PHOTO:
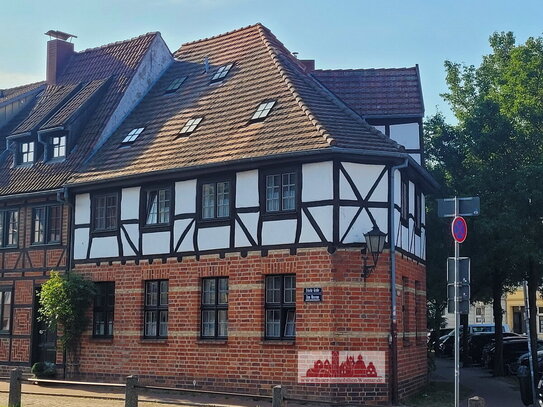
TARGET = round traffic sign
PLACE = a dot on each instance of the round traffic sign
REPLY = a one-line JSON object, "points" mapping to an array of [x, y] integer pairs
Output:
{"points": [[459, 229]]}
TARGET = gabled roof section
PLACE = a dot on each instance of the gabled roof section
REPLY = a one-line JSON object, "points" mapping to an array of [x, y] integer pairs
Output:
{"points": [[7, 95], [377, 93], [106, 72], [306, 117]]}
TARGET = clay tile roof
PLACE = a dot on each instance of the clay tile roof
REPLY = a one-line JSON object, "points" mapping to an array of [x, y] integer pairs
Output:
{"points": [[12, 93], [394, 92], [307, 116], [118, 63]]}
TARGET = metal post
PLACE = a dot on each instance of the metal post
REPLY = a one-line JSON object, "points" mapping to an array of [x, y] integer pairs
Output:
{"points": [[277, 396], [14, 399], [476, 402], [456, 318], [527, 319]]}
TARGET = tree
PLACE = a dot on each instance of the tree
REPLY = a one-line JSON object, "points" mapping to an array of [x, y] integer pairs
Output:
{"points": [[64, 301]]}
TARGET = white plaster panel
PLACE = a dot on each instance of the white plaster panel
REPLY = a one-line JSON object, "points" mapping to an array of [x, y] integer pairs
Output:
{"points": [[416, 157], [214, 238], [423, 209], [127, 249], [405, 238], [323, 215], [130, 203], [417, 246], [345, 190], [185, 197], [250, 220], [308, 233], [187, 245], [317, 181], [156, 242], [423, 244], [381, 218], [240, 238], [82, 209], [397, 187], [346, 215], [380, 128], [179, 227], [364, 176], [279, 232], [133, 233], [406, 134], [81, 243], [104, 247], [361, 225], [411, 198], [247, 189]]}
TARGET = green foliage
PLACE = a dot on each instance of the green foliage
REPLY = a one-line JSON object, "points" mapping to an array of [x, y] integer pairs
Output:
{"points": [[44, 370], [64, 300]]}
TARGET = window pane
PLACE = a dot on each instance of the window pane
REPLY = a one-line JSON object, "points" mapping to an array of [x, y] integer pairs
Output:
{"points": [[150, 323], [223, 323], [208, 201], [13, 231], [273, 184], [290, 289], [99, 323], [273, 323], [163, 293], [223, 291], [290, 323], [111, 214], [208, 323], [209, 291], [54, 224], [164, 206], [38, 225], [289, 191], [163, 327], [109, 323], [100, 213], [6, 310], [152, 207], [273, 289], [151, 293], [223, 199]]}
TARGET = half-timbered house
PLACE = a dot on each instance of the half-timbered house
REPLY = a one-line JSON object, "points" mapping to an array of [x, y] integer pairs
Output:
{"points": [[223, 222], [48, 130]]}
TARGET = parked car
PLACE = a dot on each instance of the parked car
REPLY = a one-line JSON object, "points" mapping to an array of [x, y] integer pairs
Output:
{"points": [[446, 342], [513, 348], [524, 360], [478, 340]]}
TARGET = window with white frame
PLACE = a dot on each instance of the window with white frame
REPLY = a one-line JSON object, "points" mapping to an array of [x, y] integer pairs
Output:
{"points": [[221, 73], [263, 110], [58, 144], [26, 152], [158, 205], [190, 126]]}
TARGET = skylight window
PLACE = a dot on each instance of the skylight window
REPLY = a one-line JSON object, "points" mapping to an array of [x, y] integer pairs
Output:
{"points": [[263, 110], [191, 125], [176, 84], [132, 136], [221, 72]]}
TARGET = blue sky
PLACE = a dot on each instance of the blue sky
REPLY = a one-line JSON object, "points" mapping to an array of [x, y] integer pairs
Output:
{"points": [[337, 34]]}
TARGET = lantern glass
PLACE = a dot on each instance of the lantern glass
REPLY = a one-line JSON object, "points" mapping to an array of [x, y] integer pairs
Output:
{"points": [[375, 242]]}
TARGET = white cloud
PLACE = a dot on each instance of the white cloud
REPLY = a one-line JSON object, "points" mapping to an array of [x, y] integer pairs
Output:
{"points": [[13, 79]]}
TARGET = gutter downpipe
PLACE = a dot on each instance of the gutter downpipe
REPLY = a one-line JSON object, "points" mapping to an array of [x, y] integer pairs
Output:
{"points": [[393, 339]]}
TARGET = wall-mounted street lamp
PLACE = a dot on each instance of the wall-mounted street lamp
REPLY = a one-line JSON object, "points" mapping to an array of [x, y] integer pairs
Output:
{"points": [[375, 243]]}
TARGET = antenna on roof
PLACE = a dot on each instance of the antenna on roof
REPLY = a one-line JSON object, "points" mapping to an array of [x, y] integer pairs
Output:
{"points": [[295, 54], [59, 35], [206, 64]]}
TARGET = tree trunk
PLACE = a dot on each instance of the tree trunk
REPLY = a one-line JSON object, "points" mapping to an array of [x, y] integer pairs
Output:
{"points": [[497, 293], [533, 285], [464, 320]]}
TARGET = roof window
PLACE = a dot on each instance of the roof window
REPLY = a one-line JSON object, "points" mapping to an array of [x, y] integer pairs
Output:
{"points": [[132, 136], [191, 125], [221, 72], [176, 84], [263, 110]]}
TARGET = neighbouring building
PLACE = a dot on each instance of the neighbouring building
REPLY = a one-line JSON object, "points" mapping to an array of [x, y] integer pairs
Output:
{"points": [[515, 309], [219, 199]]}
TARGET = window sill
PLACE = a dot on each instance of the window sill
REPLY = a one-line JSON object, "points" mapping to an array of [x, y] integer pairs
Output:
{"points": [[9, 248], [104, 233], [52, 244], [153, 340], [278, 342], [211, 341], [102, 339], [290, 214]]}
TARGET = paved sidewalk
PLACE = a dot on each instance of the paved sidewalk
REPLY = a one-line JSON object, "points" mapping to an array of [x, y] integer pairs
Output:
{"points": [[497, 391], [83, 396]]}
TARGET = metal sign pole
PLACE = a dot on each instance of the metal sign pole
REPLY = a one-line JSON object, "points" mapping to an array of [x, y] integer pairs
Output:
{"points": [[527, 322], [456, 318]]}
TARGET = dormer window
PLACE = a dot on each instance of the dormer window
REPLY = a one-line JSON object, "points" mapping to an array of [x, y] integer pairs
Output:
{"points": [[263, 110], [176, 84], [132, 135], [221, 73], [58, 144], [26, 152], [190, 126]]}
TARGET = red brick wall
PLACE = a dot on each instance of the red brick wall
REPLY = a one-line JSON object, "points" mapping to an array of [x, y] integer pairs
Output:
{"points": [[354, 315]]}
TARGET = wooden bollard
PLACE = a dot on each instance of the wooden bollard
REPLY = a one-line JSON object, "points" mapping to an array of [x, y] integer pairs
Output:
{"points": [[131, 394], [14, 399], [278, 396], [476, 402]]}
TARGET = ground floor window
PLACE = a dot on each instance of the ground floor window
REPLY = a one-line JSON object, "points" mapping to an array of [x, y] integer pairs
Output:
{"points": [[5, 309], [104, 303], [280, 307], [156, 309], [214, 307]]}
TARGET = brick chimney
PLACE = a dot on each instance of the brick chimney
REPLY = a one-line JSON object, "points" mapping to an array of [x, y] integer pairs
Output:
{"points": [[309, 64], [59, 52]]}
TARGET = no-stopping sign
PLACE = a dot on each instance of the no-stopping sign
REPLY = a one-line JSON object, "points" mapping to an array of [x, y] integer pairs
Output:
{"points": [[459, 229]]}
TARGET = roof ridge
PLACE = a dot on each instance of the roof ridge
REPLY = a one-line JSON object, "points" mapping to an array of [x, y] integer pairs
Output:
{"points": [[219, 35], [22, 86], [284, 75], [402, 68], [151, 33]]}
